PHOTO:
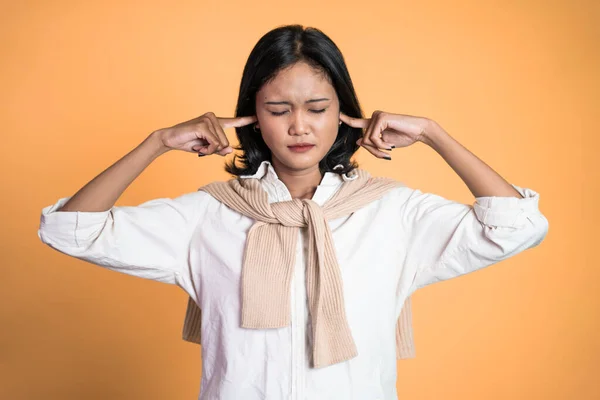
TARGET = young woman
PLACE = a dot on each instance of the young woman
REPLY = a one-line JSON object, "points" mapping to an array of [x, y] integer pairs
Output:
{"points": [[302, 262]]}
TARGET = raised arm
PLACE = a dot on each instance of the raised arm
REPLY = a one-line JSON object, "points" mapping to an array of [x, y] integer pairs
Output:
{"points": [[479, 177], [151, 240], [441, 238], [204, 132]]}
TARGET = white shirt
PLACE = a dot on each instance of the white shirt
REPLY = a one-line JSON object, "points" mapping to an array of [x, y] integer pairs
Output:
{"points": [[386, 250]]}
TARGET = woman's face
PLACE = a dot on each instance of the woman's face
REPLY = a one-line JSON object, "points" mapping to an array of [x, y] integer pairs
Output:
{"points": [[298, 106]]}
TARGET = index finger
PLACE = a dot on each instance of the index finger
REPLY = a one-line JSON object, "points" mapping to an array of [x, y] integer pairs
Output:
{"points": [[237, 122], [354, 122]]}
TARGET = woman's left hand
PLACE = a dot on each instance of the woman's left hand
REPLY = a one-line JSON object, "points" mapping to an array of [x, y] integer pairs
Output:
{"points": [[385, 131]]}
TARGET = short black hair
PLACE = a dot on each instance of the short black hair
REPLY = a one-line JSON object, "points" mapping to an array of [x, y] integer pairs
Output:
{"points": [[278, 49]]}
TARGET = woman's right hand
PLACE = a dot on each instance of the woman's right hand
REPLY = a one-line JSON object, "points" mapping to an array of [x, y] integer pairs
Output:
{"points": [[203, 135]]}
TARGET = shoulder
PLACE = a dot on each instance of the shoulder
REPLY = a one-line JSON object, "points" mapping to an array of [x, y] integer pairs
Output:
{"points": [[194, 203], [211, 195], [402, 197], [398, 189], [387, 193], [193, 199]]}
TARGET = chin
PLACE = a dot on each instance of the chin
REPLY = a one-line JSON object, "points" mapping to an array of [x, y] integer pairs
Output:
{"points": [[299, 162]]}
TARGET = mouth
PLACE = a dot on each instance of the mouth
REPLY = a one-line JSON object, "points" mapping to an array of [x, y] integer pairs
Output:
{"points": [[301, 147]]}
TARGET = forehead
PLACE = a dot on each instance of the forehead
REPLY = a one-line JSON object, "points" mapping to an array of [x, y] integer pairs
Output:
{"points": [[298, 82]]}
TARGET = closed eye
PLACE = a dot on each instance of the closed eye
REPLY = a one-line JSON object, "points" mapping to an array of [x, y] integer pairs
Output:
{"points": [[283, 112]]}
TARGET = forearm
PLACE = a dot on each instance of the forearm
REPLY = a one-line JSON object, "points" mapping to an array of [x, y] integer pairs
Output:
{"points": [[102, 192], [480, 178]]}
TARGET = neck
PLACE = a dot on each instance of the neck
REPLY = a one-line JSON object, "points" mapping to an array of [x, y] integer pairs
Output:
{"points": [[301, 184]]}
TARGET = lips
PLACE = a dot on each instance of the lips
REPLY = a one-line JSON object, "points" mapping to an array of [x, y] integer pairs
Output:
{"points": [[301, 147]]}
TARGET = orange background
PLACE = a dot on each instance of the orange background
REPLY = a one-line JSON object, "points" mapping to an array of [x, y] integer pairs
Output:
{"points": [[515, 82]]}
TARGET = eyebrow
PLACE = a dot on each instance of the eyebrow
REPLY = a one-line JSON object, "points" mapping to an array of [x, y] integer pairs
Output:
{"points": [[288, 103]]}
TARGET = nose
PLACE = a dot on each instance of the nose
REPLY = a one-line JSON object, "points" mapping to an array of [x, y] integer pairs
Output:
{"points": [[299, 124]]}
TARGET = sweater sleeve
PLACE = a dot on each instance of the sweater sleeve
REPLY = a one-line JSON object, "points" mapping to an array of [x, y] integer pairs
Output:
{"points": [[150, 241], [446, 239]]}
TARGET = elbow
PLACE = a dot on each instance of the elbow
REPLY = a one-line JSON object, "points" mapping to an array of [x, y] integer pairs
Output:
{"points": [[510, 240], [539, 228], [531, 234]]}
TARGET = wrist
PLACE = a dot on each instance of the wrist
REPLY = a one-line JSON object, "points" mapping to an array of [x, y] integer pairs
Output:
{"points": [[156, 144], [432, 134]]}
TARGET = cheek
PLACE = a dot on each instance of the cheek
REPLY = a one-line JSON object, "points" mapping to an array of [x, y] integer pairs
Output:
{"points": [[273, 133], [271, 130], [331, 127]]}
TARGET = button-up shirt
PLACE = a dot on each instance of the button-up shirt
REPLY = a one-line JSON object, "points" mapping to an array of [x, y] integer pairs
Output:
{"points": [[402, 242]]}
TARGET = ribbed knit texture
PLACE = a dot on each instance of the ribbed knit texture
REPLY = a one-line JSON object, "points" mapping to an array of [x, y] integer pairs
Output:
{"points": [[269, 260]]}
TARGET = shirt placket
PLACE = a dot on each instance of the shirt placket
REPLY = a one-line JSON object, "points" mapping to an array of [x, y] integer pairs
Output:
{"points": [[298, 328], [298, 309]]}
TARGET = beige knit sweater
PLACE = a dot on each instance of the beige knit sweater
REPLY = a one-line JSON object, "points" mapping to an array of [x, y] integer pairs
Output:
{"points": [[270, 257]]}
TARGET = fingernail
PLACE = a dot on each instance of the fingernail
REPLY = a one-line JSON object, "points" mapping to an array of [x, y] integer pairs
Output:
{"points": [[387, 157], [393, 147], [201, 155]]}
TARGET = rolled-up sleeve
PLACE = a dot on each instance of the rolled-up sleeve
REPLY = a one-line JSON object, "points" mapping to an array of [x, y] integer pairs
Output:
{"points": [[446, 239], [150, 241]]}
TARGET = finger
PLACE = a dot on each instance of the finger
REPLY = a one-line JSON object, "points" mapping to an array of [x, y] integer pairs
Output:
{"points": [[354, 122], [388, 138], [211, 137], [368, 134], [373, 133], [237, 122], [224, 143], [201, 144], [196, 145], [376, 132], [366, 139], [373, 150]]}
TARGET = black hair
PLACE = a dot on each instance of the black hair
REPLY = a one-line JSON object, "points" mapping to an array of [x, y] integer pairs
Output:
{"points": [[278, 49]]}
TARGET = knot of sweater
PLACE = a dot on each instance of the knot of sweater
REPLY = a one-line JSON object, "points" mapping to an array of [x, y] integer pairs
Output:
{"points": [[297, 213]]}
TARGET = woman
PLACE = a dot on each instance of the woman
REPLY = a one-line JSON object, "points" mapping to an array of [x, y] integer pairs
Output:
{"points": [[288, 316]]}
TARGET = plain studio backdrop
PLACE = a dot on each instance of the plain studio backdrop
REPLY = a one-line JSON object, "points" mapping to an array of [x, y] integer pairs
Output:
{"points": [[516, 82]]}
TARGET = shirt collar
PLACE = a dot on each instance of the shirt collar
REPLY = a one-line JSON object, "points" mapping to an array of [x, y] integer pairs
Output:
{"points": [[267, 172], [328, 186]]}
